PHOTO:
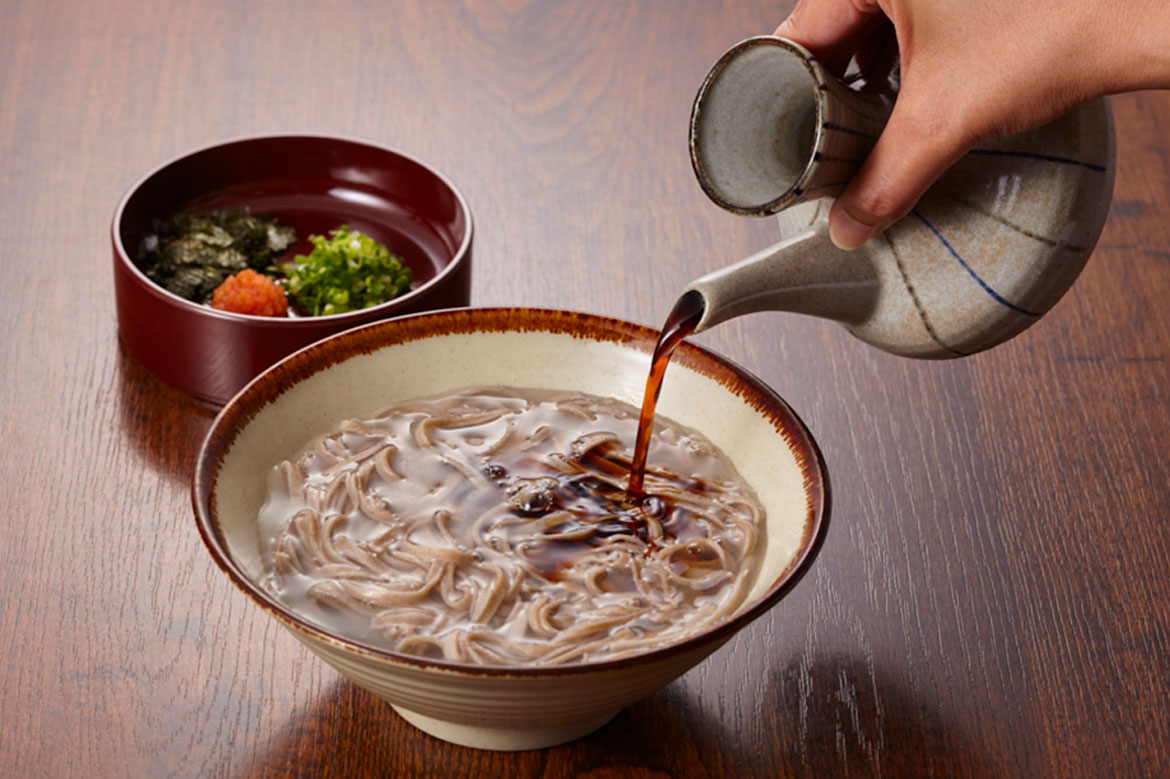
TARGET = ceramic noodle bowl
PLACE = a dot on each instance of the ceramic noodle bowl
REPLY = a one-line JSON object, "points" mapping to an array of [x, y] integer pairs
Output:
{"points": [[990, 248], [355, 374]]}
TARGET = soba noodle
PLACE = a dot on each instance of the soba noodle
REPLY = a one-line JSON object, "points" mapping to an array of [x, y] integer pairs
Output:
{"points": [[492, 527]]}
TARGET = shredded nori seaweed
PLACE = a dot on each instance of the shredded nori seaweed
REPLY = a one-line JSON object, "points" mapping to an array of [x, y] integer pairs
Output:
{"points": [[191, 254]]}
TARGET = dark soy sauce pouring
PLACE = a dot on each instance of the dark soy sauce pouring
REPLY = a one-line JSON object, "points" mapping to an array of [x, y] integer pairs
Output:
{"points": [[606, 509], [684, 318], [592, 499]]}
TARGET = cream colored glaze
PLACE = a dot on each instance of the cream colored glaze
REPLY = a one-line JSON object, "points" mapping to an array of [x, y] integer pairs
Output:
{"points": [[505, 710], [987, 251]]}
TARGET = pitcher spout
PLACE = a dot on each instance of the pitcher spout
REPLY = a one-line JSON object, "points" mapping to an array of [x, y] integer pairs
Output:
{"points": [[805, 274]]}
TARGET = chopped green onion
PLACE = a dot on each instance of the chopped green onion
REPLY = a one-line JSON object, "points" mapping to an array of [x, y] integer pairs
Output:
{"points": [[346, 272]]}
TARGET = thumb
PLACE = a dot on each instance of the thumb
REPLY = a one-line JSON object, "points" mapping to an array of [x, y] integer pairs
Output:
{"points": [[917, 146]]}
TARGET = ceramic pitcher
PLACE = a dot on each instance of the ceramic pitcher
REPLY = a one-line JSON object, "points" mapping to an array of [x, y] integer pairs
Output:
{"points": [[990, 248]]}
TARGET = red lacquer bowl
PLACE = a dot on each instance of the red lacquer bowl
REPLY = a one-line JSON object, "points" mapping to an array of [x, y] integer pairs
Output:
{"points": [[314, 183]]}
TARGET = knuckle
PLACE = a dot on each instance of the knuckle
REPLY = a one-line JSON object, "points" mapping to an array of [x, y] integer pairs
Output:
{"points": [[879, 203]]}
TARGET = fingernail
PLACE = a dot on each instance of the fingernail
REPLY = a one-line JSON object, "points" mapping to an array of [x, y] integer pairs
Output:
{"points": [[846, 232]]}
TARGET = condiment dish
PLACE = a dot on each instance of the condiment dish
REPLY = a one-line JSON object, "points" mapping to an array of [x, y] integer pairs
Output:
{"points": [[314, 183]]}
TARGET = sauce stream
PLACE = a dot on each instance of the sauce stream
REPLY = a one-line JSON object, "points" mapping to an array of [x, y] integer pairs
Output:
{"points": [[681, 322]]}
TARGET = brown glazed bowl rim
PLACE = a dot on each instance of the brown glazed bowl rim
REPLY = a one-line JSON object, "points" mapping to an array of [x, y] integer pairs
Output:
{"points": [[459, 256], [300, 365]]}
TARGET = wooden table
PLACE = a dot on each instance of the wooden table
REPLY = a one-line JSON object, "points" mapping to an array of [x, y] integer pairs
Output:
{"points": [[992, 597]]}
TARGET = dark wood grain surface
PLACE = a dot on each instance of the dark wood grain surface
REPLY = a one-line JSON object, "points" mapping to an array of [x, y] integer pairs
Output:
{"points": [[992, 597]]}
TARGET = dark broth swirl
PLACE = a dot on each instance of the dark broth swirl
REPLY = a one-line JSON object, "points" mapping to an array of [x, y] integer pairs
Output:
{"points": [[494, 526]]}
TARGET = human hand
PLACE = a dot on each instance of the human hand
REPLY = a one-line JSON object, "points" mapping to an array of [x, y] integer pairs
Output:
{"points": [[970, 71]]}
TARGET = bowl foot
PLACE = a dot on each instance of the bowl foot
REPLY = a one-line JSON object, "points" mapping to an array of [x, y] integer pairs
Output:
{"points": [[504, 739]]}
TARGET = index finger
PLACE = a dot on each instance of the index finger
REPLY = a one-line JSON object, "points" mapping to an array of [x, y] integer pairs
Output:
{"points": [[831, 29]]}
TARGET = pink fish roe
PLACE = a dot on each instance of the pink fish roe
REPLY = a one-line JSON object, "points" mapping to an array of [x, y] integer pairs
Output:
{"points": [[249, 292]]}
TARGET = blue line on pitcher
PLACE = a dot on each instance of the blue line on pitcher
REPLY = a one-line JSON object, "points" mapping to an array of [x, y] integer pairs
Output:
{"points": [[987, 288], [1031, 155]]}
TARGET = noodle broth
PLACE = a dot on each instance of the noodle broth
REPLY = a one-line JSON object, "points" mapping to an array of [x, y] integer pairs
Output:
{"points": [[493, 526]]}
